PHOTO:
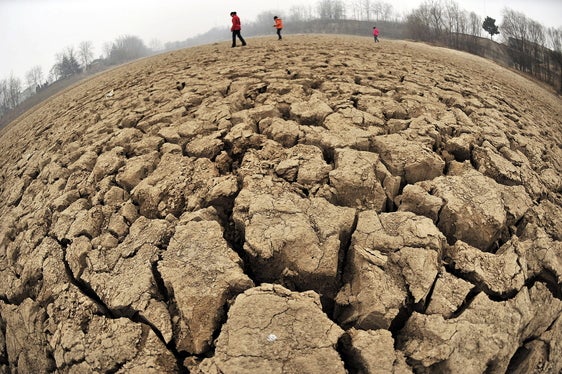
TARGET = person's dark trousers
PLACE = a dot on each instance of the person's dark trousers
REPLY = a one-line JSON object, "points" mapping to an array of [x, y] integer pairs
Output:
{"points": [[236, 33], [279, 34]]}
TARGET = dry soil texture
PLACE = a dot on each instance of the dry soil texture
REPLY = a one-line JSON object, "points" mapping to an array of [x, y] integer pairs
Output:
{"points": [[317, 205]]}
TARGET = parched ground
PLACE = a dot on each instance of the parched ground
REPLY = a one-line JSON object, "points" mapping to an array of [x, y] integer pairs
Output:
{"points": [[318, 205]]}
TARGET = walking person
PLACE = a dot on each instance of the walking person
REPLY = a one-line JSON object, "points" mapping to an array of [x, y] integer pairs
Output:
{"points": [[278, 25], [236, 27], [376, 34]]}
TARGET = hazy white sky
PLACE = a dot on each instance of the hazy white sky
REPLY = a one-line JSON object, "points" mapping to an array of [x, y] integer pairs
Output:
{"points": [[32, 32]]}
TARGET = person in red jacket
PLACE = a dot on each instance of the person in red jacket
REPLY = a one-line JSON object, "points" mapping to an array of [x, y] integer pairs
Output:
{"points": [[376, 34], [278, 25], [236, 27]]}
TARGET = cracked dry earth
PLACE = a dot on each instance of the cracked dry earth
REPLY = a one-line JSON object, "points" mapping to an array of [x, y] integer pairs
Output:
{"points": [[318, 205]]}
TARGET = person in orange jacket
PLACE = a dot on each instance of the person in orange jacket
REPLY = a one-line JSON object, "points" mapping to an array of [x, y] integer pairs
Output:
{"points": [[278, 25], [236, 27]]}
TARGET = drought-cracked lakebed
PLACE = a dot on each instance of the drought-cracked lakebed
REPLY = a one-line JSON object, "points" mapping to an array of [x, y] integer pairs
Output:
{"points": [[320, 204]]}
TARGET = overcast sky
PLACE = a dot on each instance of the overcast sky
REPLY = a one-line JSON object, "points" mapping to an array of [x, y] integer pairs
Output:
{"points": [[32, 32]]}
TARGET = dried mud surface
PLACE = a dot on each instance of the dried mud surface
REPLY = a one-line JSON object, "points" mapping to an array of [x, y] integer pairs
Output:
{"points": [[320, 205]]}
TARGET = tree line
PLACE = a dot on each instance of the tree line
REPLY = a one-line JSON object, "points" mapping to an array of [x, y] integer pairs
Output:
{"points": [[533, 48], [526, 44], [70, 62]]}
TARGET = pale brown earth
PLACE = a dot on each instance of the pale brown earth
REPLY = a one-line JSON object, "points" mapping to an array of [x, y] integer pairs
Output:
{"points": [[317, 205]]}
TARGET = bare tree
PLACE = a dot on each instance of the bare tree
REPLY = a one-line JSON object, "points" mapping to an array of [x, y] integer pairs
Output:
{"points": [[366, 8], [446, 22], [339, 9], [432, 14], [263, 22], [514, 25], [463, 22], [34, 76], [299, 13], [4, 102], [14, 90], [360, 9], [355, 6], [325, 9], [331, 9], [555, 43], [450, 20], [107, 46], [555, 39], [10, 93], [86, 53], [67, 64], [528, 46], [420, 23], [537, 34], [376, 10], [537, 38], [155, 45], [474, 24], [386, 10], [127, 48], [474, 30], [515, 30], [417, 28], [436, 16], [54, 73]]}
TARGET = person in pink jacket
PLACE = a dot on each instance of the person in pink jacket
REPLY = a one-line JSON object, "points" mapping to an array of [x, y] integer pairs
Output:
{"points": [[376, 34]]}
